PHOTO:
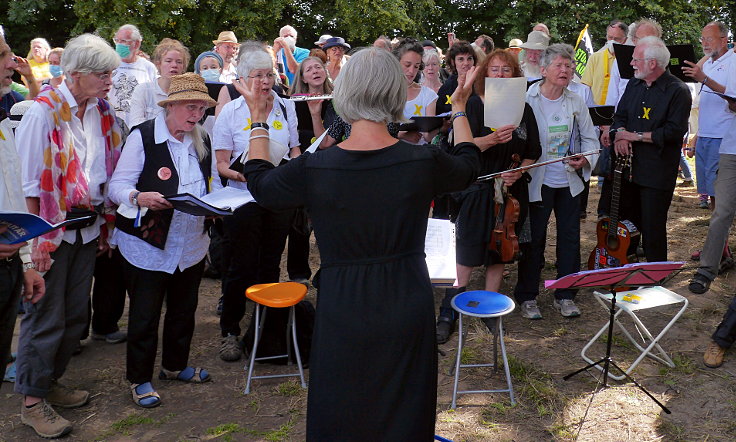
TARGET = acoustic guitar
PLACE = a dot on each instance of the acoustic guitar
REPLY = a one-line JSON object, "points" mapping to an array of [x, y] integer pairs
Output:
{"points": [[617, 239]]}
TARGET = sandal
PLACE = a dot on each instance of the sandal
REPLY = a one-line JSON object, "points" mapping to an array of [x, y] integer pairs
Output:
{"points": [[190, 374], [699, 284], [147, 398]]}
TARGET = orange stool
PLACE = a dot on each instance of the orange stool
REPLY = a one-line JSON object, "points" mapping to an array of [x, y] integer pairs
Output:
{"points": [[276, 295]]}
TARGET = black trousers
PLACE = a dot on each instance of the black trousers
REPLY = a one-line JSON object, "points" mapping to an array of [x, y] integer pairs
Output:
{"points": [[725, 334], [148, 290], [255, 238], [297, 260], [11, 284], [567, 215], [647, 208], [108, 294]]}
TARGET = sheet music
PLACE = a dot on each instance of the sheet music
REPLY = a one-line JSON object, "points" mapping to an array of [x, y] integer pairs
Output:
{"points": [[439, 248], [504, 101], [228, 198]]}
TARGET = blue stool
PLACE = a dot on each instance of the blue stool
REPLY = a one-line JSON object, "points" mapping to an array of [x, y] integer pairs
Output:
{"points": [[483, 304]]}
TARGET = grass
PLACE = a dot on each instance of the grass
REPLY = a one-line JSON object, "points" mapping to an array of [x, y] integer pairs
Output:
{"points": [[535, 387], [124, 425], [229, 430], [671, 431], [291, 388], [468, 356]]}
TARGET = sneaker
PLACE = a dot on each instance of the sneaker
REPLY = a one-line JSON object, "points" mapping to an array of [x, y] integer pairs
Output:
{"points": [[703, 204], [115, 337], [567, 307], [713, 356], [44, 420], [695, 255], [230, 349], [530, 310], [62, 396], [699, 284], [445, 327], [686, 183]]}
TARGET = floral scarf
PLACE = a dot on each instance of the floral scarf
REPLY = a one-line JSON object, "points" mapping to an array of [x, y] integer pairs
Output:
{"points": [[63, 183]]}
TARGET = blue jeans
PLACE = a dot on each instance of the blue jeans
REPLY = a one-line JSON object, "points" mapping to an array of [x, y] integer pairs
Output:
{"points": [[567, 216], [706, 164]]}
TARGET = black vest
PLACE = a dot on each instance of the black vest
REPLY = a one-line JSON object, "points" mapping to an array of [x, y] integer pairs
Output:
{"points": [[154, 226]]}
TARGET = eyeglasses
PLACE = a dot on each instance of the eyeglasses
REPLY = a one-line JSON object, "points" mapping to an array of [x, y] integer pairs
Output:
{"points": [[124, 42], [260, 77], [496, 69], [710, 39], [103, 76]]}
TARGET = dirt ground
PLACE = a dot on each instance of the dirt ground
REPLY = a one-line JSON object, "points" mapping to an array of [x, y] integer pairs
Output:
{"points": [[702, 400]]}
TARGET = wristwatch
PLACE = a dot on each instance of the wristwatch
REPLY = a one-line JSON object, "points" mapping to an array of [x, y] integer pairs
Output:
{"points": [[28, 266], [262, 125], [640, 135], [134, 197]]}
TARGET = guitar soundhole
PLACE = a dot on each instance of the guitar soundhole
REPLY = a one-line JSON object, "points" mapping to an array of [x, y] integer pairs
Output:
{"points": [[612, 242]]}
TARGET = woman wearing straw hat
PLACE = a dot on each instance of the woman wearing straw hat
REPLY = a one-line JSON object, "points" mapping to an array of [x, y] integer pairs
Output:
{"points": [[163, 249]]}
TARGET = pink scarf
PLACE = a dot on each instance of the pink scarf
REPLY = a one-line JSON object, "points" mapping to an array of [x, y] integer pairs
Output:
{"points": [[63, 184]]}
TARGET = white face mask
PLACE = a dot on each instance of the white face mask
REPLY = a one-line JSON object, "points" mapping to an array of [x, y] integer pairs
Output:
{"points": [[291, 41], [211, 75]]}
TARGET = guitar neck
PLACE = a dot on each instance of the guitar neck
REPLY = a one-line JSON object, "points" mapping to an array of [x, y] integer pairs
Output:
{"points": [[616, 197]]}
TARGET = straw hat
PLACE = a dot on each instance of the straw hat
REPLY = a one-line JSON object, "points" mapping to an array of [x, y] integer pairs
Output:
{"points": [[515, 43], [187, 87], [17, 111], [226, 37], [536, 40], [322, 39]]}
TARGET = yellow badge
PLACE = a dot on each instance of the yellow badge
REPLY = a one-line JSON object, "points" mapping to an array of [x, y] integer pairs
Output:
{"points": [[248, 126], [277, 125], [448, 101], [418, 109], [2, 137], [646, 112]]}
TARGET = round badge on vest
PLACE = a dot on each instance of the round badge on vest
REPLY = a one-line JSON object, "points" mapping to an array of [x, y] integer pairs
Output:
{"points": [[164, 173]]}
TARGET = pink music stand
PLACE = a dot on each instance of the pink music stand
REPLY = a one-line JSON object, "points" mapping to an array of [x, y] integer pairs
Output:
{"points": [[635, 275]]}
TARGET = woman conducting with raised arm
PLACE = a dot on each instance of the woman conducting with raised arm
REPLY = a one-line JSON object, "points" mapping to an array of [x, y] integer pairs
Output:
{"points": [[368, 197]]}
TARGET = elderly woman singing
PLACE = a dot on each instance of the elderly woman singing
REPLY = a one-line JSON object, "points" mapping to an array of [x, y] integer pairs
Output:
{"points": [[163, 249], [373, 372]]}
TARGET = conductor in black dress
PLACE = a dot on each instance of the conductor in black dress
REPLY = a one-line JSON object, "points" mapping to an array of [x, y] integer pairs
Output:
{"points": [[373, 367], [650, 122]]}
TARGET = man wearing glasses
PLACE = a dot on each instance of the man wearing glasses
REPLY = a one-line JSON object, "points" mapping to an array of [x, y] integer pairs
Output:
{"points": [[650, 122], [133, 70]]}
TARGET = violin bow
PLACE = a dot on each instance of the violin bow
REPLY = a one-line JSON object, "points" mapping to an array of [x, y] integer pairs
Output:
{"points": [[532, 166]]}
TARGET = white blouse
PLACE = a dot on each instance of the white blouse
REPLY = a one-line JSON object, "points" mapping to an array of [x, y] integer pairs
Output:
{"points": [[187, 243], [232, 129], [144, 103]]}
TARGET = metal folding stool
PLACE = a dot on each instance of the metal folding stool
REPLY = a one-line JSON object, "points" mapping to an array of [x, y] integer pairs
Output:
{"points": [[649, 297], [276, 295], [483, 304]]}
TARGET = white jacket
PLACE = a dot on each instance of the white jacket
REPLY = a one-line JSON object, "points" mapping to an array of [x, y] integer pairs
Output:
{"points": [[586, 137]]}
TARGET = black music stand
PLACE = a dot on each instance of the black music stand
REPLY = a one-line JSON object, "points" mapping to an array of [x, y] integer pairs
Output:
{"points": [[631, 275]]}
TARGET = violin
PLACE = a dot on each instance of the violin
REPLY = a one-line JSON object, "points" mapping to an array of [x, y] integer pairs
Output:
{"points": [[503, 236]]}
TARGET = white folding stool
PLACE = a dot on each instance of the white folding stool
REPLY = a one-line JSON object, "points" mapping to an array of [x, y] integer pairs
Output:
{"points": [[650, 297]]}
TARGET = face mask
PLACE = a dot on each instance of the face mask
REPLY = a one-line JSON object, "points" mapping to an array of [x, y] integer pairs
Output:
{"points": [[122, 50], [55, 70], [609, 46], [211, 75], [291, 41]]}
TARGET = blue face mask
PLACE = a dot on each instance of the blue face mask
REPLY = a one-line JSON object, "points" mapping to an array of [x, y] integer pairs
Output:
{"points": [[210, 75], [55, 70], [122, 50]]}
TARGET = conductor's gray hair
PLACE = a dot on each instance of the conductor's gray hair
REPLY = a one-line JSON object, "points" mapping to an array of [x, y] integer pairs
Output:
{"points": [[88, 53], [655, 49], [371, 86], [556, 50], [252, 57], [648, 22]]}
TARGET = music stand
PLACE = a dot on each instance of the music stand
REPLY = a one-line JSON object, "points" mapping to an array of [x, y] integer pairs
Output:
{"points": [[636, 275]]}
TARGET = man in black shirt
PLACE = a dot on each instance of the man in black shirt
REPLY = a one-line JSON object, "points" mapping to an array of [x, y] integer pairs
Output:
{"points": [[650, 122]]}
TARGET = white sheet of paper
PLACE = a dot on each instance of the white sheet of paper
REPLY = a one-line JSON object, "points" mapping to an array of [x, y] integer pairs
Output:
{"points": [[314, 146], [439, 248], [228, 198], [504, 101]]}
